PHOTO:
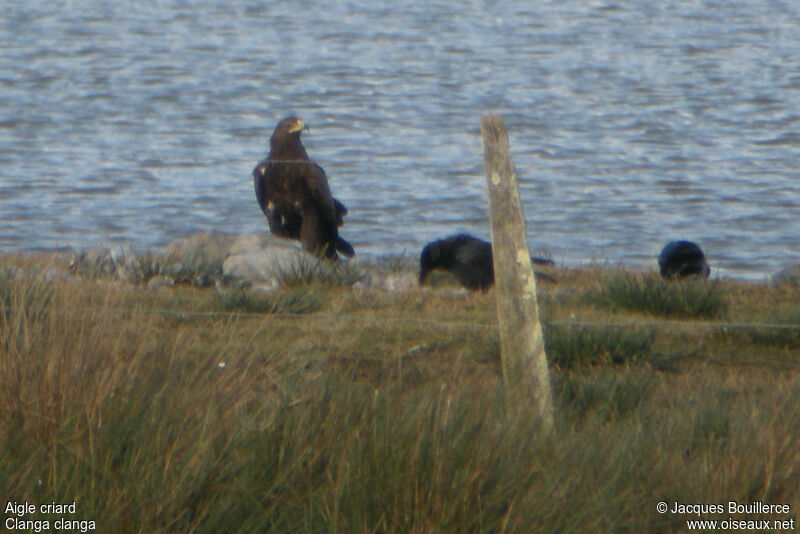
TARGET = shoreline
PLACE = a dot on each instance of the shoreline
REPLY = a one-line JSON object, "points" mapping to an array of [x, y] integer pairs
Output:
{"points": [[122, 248]]}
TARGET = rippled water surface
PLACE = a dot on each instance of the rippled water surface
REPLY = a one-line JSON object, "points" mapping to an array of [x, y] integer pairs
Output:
{"points": [[631, 123]]}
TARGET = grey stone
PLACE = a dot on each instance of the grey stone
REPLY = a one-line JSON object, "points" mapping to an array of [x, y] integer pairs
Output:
{"points": [[263, 267], [158, 282], [201, 258], [203, 280], [788, 274], [400, 281], [260, 259], [111, 260], [259, 241], [54, 273], [203, 248]]}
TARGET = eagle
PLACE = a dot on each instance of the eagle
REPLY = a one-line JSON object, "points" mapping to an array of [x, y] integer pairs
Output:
{"points": [[293, 193], [468, 258]]}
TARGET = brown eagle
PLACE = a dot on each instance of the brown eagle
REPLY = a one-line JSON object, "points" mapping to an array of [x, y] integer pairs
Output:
{"points": [[293, 193]]}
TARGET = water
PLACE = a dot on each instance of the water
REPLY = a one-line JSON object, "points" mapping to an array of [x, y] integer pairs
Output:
{"points": [[631, 123]]}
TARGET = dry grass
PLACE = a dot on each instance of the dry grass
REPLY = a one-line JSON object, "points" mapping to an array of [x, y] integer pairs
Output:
{"points": [[323, 409]]}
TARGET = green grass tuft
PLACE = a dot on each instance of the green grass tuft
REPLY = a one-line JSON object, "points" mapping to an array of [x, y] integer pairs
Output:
{"points": [[782, 338], [199, 273], [301, 301], [712, 421], [31, 296], [573, 346], [307, 271], [783, 332], [688, 298], [147, 266], [609, 393]]}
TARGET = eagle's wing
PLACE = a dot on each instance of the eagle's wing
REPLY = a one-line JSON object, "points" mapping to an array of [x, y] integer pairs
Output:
{"points": [[317, 183], [259, 184]]}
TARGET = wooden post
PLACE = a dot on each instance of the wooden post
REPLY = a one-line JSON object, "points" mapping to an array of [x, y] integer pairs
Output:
{"points": [[525, 372]]}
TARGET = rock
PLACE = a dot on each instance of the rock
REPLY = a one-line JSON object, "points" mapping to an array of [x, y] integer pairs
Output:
{"points": [[258, 241], [384, 274], [200, 259], [207, 259], [788, 274], [54, 273], [372, 278], [399, 281], [265, 261], [158, 282], [110, 260], [264, 267], [203, 248], [203, 280]]}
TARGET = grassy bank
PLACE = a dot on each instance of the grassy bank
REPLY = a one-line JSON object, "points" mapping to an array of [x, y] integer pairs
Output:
{"points": [[324, 409]]}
